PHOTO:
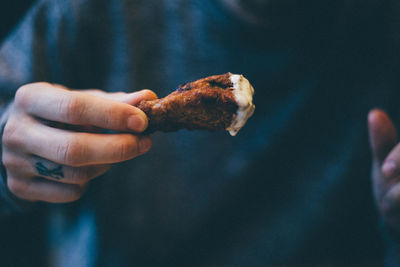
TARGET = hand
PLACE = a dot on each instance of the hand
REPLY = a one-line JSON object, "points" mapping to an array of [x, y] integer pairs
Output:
{"points": [[385, 167], [48, 161]]}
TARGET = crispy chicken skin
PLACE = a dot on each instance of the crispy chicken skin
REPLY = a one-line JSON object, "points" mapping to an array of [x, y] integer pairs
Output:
{"points": [[207, 104]]}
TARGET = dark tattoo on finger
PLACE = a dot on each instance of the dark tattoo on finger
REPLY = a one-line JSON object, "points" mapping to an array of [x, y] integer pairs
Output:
{"points": [[56, 172]]}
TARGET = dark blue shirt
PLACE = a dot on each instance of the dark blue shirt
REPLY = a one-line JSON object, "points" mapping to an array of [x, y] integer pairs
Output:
{"points": [[293, 187]]}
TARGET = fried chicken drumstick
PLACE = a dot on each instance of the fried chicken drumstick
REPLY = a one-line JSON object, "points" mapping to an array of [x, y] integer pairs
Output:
{"points": [[219, 102]]}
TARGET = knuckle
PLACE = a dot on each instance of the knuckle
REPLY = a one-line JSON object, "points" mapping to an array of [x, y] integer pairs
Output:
{"points": [[115, 115], [70, 152], [71, 108], [109, 119], [9, 162], [17, 187], [128, 149], [10, 137], [22, 96]]}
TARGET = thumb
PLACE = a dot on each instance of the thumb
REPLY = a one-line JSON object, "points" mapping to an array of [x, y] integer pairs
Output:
{"points": [[382, 134]]}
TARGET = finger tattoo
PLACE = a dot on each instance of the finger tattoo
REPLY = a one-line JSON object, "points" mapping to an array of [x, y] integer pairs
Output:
{"points": [[55, 171]]}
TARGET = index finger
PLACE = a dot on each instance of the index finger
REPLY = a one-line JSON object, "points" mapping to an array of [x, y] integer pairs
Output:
{"points": [[73, 107]]}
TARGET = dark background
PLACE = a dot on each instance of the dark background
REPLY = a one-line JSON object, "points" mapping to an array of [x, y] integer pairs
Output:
{"points": [[11, 13]]}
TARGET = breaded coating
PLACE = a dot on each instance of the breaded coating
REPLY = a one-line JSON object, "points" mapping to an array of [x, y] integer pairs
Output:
{"points": [[207, 104]]}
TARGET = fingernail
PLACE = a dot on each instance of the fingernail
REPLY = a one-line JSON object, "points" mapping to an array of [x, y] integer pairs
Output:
{"points": [[144, 144], [389, 168], [136, 123]]}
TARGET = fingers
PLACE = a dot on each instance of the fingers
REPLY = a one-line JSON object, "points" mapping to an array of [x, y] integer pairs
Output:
{"points": [[382, 133], [71, 148], [59, 183], [386, 166], [29, 167], [44, 190], [73, 107], [391, 165], [46, 163]]}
